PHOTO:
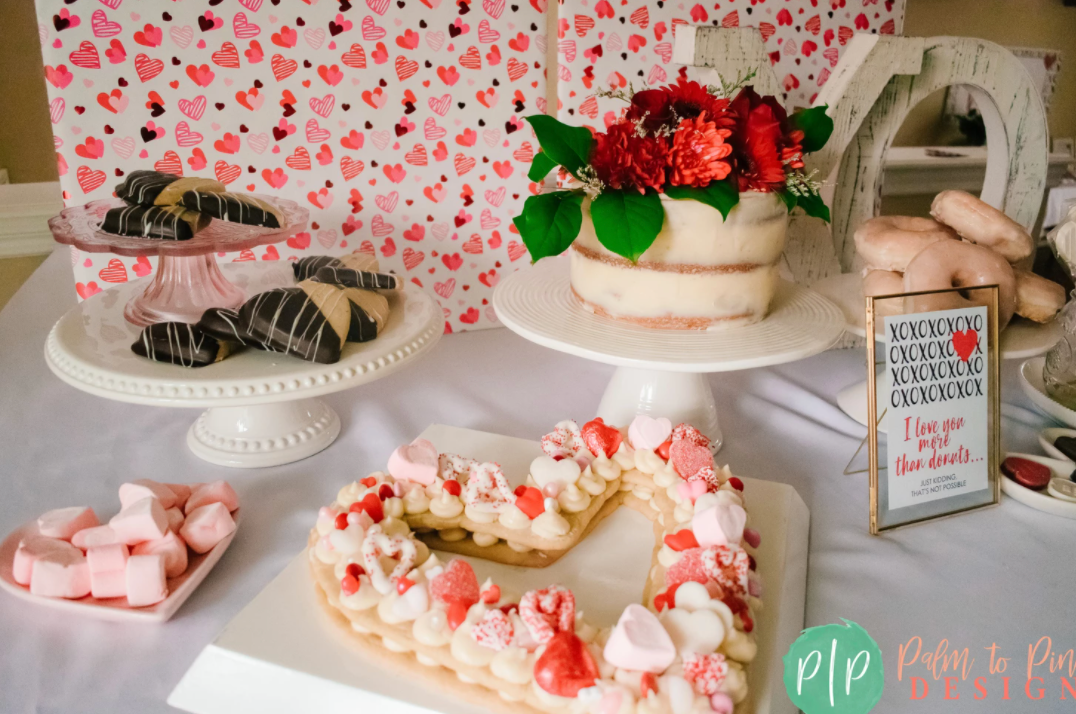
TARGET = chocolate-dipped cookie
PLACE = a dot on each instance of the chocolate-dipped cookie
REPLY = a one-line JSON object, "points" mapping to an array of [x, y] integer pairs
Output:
{"points": [[233, 207], [306, 268], [159, 222], [180, 344], [350, 278], [288, 320], [174, 191], [223, 324], [143, 187]]}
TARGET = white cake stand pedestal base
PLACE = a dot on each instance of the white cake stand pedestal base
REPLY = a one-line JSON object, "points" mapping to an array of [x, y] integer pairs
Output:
{"points": [[662, 372], [262, 407]]}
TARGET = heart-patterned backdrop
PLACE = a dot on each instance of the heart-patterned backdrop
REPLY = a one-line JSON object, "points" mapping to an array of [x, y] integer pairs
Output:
{"points": [[398, 123]]}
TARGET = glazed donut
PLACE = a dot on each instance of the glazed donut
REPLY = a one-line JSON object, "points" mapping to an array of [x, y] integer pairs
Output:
{"points": [[884, 282], [890, 242], [955, 264], [983, 224], [1037, 298]]}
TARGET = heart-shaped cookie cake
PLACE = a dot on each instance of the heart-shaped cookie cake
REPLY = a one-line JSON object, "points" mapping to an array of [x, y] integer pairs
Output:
{"points": [[684, 650]]}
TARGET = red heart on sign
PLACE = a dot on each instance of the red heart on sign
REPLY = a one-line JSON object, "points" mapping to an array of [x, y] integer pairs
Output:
{"points": [[965, 343]]}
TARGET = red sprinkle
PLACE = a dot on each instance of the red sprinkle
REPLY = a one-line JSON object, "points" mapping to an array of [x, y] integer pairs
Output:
{"points": [[368, 482], [355, 570], [385, 492], [510, 608], [491, 594], [349, 585], [748, 623], [736, 483], [751, 564], [403, 585], [341, 521], [452, 487]]}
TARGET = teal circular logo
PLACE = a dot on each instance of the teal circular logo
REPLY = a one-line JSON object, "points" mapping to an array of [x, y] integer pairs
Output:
{"points": [[834, 669]]}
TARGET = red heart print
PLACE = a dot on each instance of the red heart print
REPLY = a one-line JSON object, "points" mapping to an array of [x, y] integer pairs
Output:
{"points": [[114, 272], [965, 343]]}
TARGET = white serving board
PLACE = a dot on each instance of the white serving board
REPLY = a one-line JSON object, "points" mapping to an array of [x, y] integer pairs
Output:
{"points": [[282, 655]]}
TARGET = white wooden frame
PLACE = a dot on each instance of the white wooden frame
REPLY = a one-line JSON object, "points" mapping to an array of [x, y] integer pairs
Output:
{"points": [[877, 82]]}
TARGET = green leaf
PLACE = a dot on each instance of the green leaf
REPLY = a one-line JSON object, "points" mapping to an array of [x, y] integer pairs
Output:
{"points": [[790, 199], [627, 222], [722, 195], [540, 167], [813, 205], [550, 222], [566, 145], [816, 126]]}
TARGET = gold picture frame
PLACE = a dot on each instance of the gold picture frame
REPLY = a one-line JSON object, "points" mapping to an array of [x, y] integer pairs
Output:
{"points": [[881, 517]]}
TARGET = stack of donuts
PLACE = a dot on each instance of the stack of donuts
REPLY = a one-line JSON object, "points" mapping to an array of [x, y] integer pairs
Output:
{"points": [[968, 243]]}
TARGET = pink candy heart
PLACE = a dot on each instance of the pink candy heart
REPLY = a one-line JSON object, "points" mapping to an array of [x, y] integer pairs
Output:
{"points": [[639, 642], [648, 433], [688, 458], [415, 462], [722, 524], [690, 490]]}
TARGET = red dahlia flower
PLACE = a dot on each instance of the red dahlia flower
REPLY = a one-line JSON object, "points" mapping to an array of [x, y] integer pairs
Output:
{"points": [[759, 140], [690, 99], [696, 154], [622, 159]]}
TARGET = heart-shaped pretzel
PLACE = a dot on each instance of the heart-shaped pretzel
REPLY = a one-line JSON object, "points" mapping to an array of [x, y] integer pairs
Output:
{"points": [[376, 544], [455, 467], [494, 631], [487, 489], [564, 442], [547, 612]]}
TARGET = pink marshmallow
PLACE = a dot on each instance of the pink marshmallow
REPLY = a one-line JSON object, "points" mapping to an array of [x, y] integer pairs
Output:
{"points": [[91, 537], [175, 518], [207, 526], [141, 521], [109, 584], [135, 491], [182, 491], [172, 548], [61, 573], [215, 492], [63, 523], [107, 558], [30, 549], [145, 580]]}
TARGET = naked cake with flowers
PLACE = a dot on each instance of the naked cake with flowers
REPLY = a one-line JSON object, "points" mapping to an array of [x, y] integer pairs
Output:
{"points": [[684, 650], [676, 215]]}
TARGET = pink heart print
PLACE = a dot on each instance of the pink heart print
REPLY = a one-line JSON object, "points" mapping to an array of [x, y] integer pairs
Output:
{"points": [[360, 100]]}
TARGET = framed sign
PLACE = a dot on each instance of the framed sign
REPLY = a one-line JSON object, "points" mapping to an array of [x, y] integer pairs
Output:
{"points": [[941, 405]]}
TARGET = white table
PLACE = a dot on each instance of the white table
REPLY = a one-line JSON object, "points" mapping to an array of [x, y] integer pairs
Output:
{"points": [[1002, 575]]}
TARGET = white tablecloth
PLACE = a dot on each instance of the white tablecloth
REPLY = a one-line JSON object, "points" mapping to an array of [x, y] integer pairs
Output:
{"points": [[1002, 575]]}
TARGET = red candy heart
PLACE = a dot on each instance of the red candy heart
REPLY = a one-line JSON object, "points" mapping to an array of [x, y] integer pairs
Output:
{"points": [[456, 584], [457, 613], [492, 594], [368, 482], [601, 438], [736, 483], [403, 585], [688, 458], [682, 540], [566, 666], [663, 450], [1027, 473], [372, 505], [648, 683], [531, 502], [341, 521], [385, 492]]}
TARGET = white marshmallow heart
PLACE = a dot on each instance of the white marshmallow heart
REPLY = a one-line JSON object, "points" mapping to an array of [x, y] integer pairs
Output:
{"points": [[639, 642], [648, 433], [692, 596], [701, 631], [722, 524], [546, 470]]}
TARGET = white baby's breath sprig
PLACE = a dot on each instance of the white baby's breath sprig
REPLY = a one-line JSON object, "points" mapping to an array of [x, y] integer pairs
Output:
{"points": [[590, 183], [801, 184], [624, 95], [726, 89]]}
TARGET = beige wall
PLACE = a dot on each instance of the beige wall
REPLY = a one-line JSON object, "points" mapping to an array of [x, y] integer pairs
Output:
{"points": [[26, 138], [25, 132], [1046, 24]]}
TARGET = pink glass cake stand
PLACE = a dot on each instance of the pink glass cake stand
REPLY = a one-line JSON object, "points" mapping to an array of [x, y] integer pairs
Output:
{"points": [[188, 281]]}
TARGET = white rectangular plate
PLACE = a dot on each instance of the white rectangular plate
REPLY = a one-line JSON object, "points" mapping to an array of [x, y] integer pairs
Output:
{"points": [[281, 654], [179, 588]]}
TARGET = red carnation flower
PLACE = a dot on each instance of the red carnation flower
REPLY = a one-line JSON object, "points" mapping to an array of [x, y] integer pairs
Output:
{"points": [[690, 99], [623, 159], [698, 148]]}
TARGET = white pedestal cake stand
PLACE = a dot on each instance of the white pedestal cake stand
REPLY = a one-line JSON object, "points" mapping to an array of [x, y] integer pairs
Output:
{"points": [[262, 408], [1021, 339], [661, 372]]}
